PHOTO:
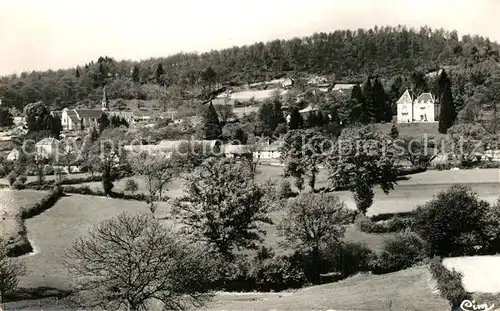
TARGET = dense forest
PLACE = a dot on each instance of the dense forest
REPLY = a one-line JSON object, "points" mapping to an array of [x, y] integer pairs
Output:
{"points": [[395, 54]]}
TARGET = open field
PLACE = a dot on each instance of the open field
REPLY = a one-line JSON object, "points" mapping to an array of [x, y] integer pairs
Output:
{"points": [[409, 289], [55, 229], [413, 129], [49, 177], [11, 223], [407, 195]]}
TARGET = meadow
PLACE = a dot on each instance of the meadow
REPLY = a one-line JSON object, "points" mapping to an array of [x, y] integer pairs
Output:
{"points": [[53, 231], [11, 223], [409, 289]]}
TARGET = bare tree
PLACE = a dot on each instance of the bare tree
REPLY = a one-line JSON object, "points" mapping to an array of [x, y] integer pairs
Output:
{"points": [[157, 172], [132, 261], [10, 270], [225, 112]]}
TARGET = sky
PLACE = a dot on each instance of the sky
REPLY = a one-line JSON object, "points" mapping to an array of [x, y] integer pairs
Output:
{"points": [[53, 34]]}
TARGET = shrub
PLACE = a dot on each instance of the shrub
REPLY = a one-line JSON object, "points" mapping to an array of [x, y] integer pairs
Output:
{"points": [[285, 190], [131, 185], [46, 203], [365, 224], [452, 222], [348, 258], [17, 185], [394, 224], [48, 170], [443, 166], [403, 250], [22, 179], [277, 273], [491, 228], [411, 170], [11, 178], [448, 282]]}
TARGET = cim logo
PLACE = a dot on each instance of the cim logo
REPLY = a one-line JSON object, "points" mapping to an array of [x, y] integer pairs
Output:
{"points": [[468, 305]]}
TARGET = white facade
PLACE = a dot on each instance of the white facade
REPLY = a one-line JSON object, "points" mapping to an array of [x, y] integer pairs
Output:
{"points": [[425, 108], [405, 108], [422, 109], [47, 148]]}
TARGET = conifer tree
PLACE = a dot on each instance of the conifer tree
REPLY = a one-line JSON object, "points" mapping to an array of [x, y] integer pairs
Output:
{"points": [[368, 114], [357, 103], [211, 125], [159, 72], [296, 120], [383, 111], [77, 73], [447, 111], [135, 74]]}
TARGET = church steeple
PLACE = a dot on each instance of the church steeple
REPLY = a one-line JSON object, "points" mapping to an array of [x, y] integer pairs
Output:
{"points": [[105, 101]]}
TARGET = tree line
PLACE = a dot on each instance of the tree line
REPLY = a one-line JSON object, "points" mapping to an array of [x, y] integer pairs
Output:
{"points": [[349, 55]]}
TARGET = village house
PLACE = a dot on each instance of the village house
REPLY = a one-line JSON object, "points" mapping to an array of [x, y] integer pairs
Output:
{"points": [[47, 148], [345, 89], [269, 151], [422, 109], [238, 151], [168, 147]]}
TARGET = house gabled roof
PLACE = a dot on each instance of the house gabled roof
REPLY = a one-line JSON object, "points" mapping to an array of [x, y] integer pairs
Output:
{"points": [[406, 97], [56, 113], [47, 142], [341, 86], [89, 113], [308, 109], [237, 149], [425, 97]]}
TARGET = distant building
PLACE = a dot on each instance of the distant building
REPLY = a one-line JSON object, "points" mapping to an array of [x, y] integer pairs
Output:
{"points": [[168, 147], [345, 89], [13, 155], [422, 109], [238, 151], [405, 108], [425, 108], [268, 151], [47, 148]]}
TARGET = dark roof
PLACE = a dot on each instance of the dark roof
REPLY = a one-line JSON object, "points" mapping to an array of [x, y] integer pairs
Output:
{"points": [[89, 113], [425, 97], [56, 113], [72, 115]]}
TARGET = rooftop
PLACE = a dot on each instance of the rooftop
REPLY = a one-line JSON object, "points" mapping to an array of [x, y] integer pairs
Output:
{"points": [[425, 97]]}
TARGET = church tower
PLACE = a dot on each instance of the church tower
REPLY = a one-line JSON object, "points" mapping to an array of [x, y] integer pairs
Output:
{"points": [[105, 101]]}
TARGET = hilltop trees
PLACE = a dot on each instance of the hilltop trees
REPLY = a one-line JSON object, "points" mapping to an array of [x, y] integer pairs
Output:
{"points": [[131, 260], [447, 112]]}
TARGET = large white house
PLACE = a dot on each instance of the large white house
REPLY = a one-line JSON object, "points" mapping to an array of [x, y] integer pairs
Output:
{"points": [[422, 109]]}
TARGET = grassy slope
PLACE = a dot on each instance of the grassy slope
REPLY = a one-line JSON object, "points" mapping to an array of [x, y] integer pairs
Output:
{"points": [[55, 229], [10, 207], [409, 289]]}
